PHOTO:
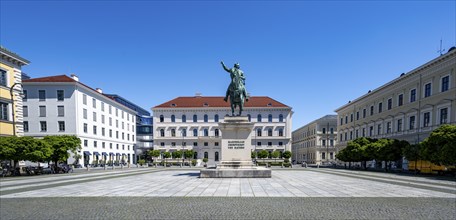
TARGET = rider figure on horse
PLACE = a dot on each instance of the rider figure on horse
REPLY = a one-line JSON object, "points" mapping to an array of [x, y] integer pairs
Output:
{"points": [[236, 74]]}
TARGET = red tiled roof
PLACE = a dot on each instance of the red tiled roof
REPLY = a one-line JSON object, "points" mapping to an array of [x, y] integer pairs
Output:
{"points": [[60, 78], [217, 102]]}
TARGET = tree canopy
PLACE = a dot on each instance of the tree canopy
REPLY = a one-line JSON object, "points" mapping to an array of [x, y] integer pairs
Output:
{"points": [[440, 146]]}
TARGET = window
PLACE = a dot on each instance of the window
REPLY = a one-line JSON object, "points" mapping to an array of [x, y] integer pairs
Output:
{"points": [[206, 132], [102, 119], [364, 113], [351, 135], [259, 118], [346, 119], [61, 126], [249, 117], [427, 118], [364, 132], [372, 110], [280, 118], [85, 127], [270, 132], [371, 130], [280, 143], [195, 118], [280, 132], [195, 132], [84, 113], [216, 156], [206, 144], [351, 117], [412, 95], [117, 112], [269, 118], [259, 132], [110, 109], [43, 126], [443, 115], [379, 129], [184, 132], [216, 132], [399, 125], [323, 156], [162, 144], [216, 119], [173, 118], [356, 133], [412, 122], [390, 104], [195, 144], [42, 111], [259, 144], [3, 77], [216, 144], [380, 107], [400, 100], [86, 143], [103, 145], [84, 99], [117, 123], [445, 83], [95, 129], [26, 126], [117, 134], [184, 118], [388, 127], [60, 111], [331, 143], [110, 133], [162, 133], [110, 121], [94, 116], [206, 118], [323, 142], [173, 132], [103, 131], [95, 144], [341, 121], [25, 95], [427, 90], [269, 144], [102, 106], [206, 155], [173, 144], [110, 145], [357, 116], [42, 95], [25, 111]]}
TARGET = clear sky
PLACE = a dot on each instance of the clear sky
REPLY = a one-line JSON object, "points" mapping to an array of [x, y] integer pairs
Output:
{"points": [[313, 56]]}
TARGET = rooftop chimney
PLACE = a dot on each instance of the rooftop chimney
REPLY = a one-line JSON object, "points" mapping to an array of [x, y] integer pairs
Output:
{"points": [[75, 78], [99, 90]]}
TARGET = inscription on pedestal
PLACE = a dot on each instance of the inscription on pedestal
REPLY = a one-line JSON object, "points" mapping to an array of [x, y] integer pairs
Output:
{"points": [[236, 144]]}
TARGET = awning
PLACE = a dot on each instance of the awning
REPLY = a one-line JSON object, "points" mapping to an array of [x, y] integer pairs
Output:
{"points": [[111, 154], [117, 154], [96, 153], [87, 153], [104, 154]]}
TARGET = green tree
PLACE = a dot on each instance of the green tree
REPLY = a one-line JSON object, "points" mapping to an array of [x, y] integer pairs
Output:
{"points": [[61, 146], [189, 155], [275, 154], [286, 154], [36, 150], [154, 154], [8, 147], [253, 154], [177, 154], [440, 146], [205, 161], [412, 152], [166, 155], [389, 150], [263, 154]]}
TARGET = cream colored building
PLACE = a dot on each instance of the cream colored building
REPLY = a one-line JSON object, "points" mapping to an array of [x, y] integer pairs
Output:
{"points": [[314, 143], [407, 108], [10, 82]]}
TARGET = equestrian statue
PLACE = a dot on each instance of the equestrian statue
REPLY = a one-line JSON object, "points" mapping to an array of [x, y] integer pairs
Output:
{"points": [[236, 90]]}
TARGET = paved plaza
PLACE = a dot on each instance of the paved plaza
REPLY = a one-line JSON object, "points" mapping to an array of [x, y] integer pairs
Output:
{"points": [[147, 193]]}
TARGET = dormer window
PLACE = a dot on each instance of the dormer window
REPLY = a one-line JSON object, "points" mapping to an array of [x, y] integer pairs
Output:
{"points": [[269, 104], [173, 105]]}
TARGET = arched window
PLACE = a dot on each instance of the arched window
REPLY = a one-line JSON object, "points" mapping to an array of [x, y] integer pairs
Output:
{"points": [[184, 118], [162, 132], [184, 132], [206, 118], [195, 118], [280, 132], [269, 118], [195, 132], [216, 156], [162, 119], [250, 117], [259, 132], [259, 118], [206, 155], [206, 132], [173, 132], [216, 118], [216, 132], [195, 155], [280, 118], [173, 118], [270, 132]]}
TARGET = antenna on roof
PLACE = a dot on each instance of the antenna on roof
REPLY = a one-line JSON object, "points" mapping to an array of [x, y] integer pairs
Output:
{"points": [[441, 50]]}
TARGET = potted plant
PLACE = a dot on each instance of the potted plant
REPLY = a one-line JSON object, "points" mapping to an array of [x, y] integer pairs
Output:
{"points": [[205, 161]]}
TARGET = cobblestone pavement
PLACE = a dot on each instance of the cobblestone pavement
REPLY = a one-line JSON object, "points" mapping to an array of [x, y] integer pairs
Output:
{"points": [[179, 194]]}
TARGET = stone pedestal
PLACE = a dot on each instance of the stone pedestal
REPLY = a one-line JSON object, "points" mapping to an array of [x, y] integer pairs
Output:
{"points": [[236, 152]]}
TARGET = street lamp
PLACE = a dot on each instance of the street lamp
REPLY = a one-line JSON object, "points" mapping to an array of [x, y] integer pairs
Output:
{"points": [[12, 105]]}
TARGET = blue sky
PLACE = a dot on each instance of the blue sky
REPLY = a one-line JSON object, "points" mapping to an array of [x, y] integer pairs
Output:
{"points": [[313, 56]]}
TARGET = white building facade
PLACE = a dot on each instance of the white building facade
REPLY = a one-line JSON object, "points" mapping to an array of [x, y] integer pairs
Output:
{"points": [[191, 123], [61, 105], [408, 108], [315, 143]]}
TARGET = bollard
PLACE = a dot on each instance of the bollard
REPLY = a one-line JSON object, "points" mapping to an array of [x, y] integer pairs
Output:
{"points": [[318, 165], [88, 167]]}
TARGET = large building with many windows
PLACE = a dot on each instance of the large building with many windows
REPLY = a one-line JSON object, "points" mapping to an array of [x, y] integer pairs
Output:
{"points": [[10, 93], [144, 134], [58, 105], [315, 143], [192, 123], [408, 108]]}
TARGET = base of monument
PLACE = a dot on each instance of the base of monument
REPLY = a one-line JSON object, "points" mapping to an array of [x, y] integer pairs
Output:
{"points": [[254, 172]]}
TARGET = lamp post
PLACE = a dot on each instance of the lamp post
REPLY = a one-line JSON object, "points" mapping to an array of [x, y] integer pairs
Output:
{"points": [[12, 105]]}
